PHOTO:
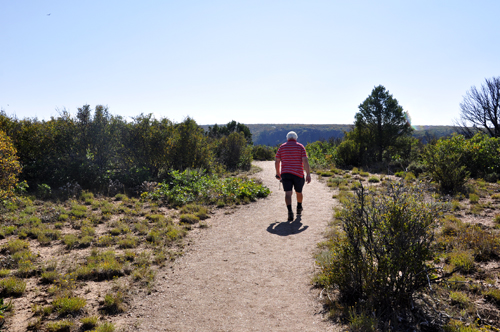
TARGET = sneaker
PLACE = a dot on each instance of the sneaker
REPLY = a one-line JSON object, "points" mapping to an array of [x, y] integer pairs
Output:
{"points": [[290, 216], [299, 210]]}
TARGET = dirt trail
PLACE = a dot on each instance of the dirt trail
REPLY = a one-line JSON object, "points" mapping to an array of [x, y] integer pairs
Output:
{"points": [[250, 271]]}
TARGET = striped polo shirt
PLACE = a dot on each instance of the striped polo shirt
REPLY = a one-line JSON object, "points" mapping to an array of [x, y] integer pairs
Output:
{"points": [[291, 154]]}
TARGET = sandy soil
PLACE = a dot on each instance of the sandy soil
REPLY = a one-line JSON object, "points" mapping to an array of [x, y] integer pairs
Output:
{"points": [[250, 270]]}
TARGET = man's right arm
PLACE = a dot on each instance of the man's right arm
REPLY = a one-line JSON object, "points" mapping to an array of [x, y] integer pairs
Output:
{"points": [[277, 164]]}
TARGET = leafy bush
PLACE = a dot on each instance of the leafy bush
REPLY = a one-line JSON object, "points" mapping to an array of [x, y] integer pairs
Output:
{"points": [[195, 186], [444, 164], [9, 167], [233, 152], [379, 258], [321, 155], [263, 152]]}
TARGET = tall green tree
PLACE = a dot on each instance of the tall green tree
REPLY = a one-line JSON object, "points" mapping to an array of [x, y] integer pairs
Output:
{"points": [[382, 121], [231, 127]]}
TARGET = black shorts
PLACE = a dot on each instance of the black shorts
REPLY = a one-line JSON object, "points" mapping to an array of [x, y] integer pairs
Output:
{"points": [[291, 181]]}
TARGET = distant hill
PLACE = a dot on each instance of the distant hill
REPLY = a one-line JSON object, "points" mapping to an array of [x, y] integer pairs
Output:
{"points": [[274, 134]]}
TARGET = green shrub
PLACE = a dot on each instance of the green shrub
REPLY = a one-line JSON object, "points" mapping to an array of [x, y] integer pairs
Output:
{"points": [[189, 218], [321, 155], [89, 322], [78, 211], [154, 236], [9, 166], [263, 152], [233, 152], [100, 266], [70, 240], [462, 260], [14, 246], [198, 210], [105, 241], [492, 295], [460, 299], [113, 303], [6, 231], [12, 286], [60, 326], [105, 327], [410, 177], [362, 322], [193, 186], [129, 241], [49, 277], [444, 164], [121, 197], [175, 232], [473, 198], [68, 305], [374, 179], [362, 264], [458, 326], [455, 205]]}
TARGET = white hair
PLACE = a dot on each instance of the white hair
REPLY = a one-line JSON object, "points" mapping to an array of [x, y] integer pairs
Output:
{"points": [[292, 135]]}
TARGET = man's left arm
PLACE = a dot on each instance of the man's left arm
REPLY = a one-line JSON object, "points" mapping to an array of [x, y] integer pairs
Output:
{"points": [[305, 162]]}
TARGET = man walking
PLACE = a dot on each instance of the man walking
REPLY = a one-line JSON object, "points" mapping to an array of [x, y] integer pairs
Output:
{"points": [[292, 158]]}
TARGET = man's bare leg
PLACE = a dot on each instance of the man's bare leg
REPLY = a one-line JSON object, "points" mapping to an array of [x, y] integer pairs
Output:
{"points": [[300, 197], [288, 201]]}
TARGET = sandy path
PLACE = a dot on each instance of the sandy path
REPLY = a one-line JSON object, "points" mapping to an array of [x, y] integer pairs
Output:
{"points": [[250, 271]]}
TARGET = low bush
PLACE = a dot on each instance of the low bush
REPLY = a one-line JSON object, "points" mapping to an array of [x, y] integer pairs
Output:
{"points": [[14, 246], [68, 304], [193, 186], [64, 325], [113, 303], [444, 164], [473, 198], [189, 218], [462, 260], [89, 322], [12, 286], [379, 258], [460, 299]]}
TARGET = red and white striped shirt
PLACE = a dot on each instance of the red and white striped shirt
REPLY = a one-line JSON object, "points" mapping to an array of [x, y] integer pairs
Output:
{"points": [[291, 154]]}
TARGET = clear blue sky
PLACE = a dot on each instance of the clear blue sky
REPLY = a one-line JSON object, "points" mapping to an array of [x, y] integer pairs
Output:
{"points": [[251, 61]]}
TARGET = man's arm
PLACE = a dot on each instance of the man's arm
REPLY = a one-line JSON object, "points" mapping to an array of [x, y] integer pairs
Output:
{"points": [[277, 166], [305, 162]]}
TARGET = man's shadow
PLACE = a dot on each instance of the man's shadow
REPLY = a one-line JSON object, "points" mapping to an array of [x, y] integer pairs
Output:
{"points": [[287, 228]]}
